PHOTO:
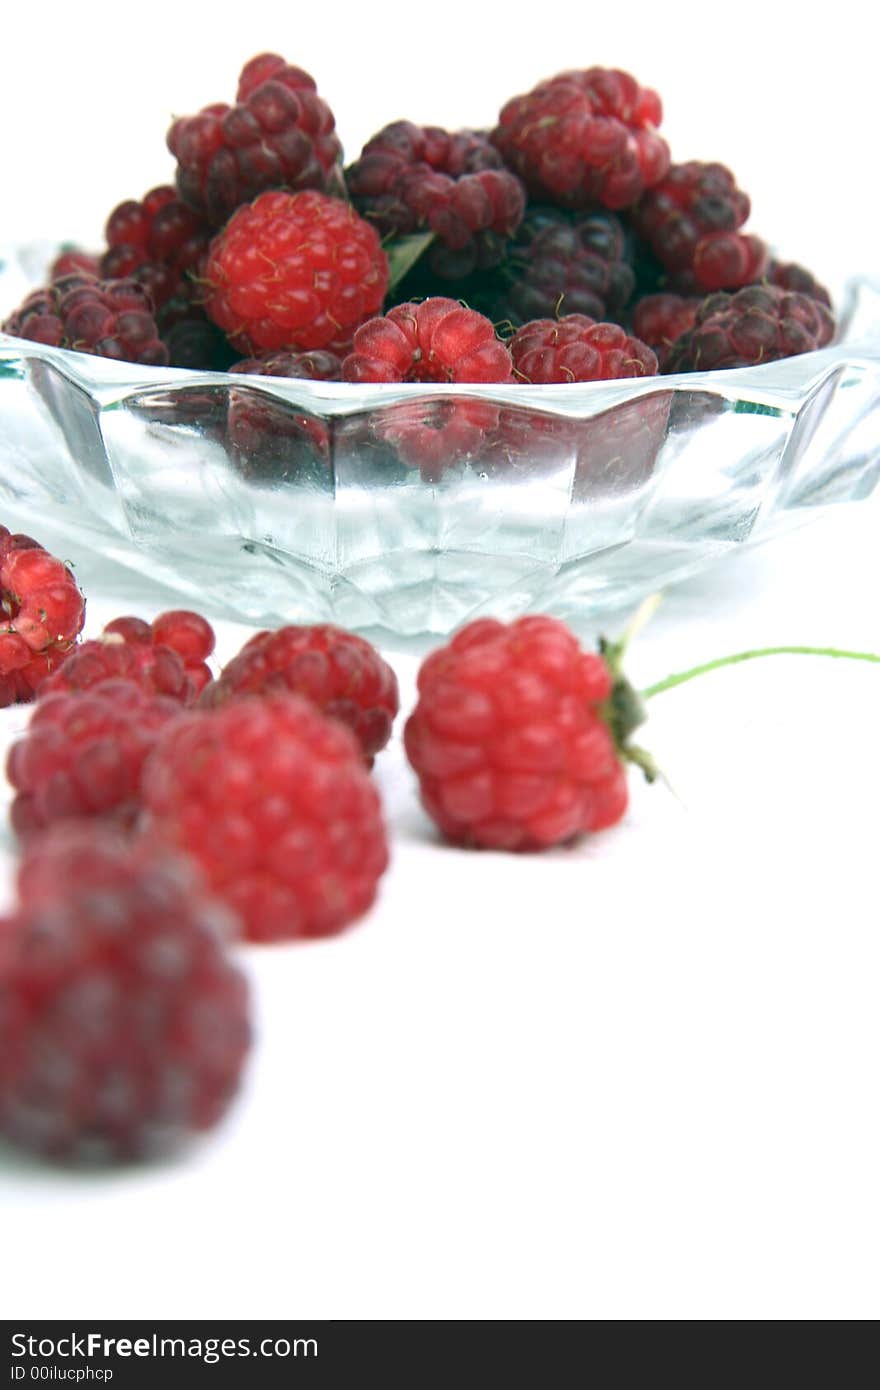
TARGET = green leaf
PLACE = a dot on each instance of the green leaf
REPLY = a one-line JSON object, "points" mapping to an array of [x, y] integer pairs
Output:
{"points": [[403, 252]]}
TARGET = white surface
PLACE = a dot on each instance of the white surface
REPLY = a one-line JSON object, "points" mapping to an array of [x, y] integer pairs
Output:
{"points": [[632, 1080], [635, 1079]]}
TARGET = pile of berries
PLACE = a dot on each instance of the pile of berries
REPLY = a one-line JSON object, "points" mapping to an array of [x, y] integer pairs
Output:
{"points": [[268, 249], [165, 813]]}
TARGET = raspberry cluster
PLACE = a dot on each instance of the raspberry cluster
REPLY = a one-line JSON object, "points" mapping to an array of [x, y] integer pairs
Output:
{"points": [[691, 221], [110, 318], [305, 366], [436, 341], [124, 1024], [410, 178], [272, 800], [660, 320], [340, 673], [585, 137], [569, 263], [83, 754], [576, 348], [155, 241], [41, 615], [268, 250], [761, 323], [155, 835], [279, 134], [167, 657]]}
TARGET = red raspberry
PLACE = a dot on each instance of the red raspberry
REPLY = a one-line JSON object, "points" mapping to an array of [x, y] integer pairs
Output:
{"points": [[41, 614], [305, 366], [576, 348], [757, 324], [185, 632], [563, 262], [160, 229], [129, 629], [690, 220], [123, 1024], [280, 134], [157, 670], [437, 340], [273, 801], [660, 319], [82, 755], [72, 261], [294, 271], [585, 137], [340, 673], [790, 276], [192, 637], [169, 656], [158, 242], [512, 736], [109, 318], [410, 178]]}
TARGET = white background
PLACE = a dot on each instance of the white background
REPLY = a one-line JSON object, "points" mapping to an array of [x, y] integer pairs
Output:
{"points": [[637, 1079]]}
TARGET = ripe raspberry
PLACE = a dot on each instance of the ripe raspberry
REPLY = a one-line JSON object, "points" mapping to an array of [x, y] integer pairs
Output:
{"points": [[156, 242], [130, 629], [192, 637], [690, 220], [341, 674], [294, 271], [108, 318], [273, 801], [518, 736], [82, 755], [660, 319], [757, 324], [155, 670], [585, 137], [72, 261], [410, 178], [123, 1024], [280, 134], [41, 614], [187, 633], [306, 366], [166, 658], [789, 276], [437, 341], [565, 263], [576, 348]]}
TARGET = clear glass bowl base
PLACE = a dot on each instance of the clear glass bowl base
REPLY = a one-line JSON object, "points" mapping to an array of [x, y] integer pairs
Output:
{"points": [[415, 508]]}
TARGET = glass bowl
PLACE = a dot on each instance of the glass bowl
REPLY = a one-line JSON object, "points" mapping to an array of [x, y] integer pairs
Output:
{"points": [[414, 508]]}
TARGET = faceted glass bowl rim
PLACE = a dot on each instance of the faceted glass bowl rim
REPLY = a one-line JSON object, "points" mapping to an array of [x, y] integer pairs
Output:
{"points": [[777, 380]]}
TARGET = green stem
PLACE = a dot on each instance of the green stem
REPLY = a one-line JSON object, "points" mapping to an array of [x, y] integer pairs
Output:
{"points": [[680, 677]]}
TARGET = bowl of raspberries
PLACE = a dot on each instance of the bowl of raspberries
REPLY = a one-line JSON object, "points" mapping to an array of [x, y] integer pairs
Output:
{"points": [[538, 365]]}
